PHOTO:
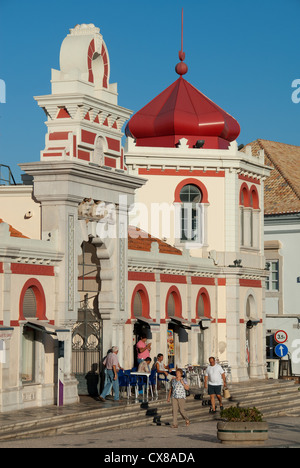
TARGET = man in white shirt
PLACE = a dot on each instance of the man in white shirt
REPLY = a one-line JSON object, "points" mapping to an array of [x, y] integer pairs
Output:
{"points": [[213, 381]]}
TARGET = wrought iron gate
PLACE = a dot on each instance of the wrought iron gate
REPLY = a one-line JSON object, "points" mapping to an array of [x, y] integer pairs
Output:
{"points": [[87, 350]]}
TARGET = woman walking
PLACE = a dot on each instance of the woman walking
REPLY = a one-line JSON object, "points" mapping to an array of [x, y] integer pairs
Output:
{"points": [[178, 393]]}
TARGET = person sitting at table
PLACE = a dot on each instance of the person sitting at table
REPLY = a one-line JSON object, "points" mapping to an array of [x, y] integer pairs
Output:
{"points": [[144, 366], [161, 369]]}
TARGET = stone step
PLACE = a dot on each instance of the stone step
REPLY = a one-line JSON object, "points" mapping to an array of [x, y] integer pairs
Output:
{"points": [[271, 399]]}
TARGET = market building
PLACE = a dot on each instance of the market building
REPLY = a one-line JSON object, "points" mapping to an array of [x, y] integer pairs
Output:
{"points": [[185, 263]]}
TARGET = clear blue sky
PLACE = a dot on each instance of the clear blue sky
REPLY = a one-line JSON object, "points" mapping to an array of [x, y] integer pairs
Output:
{"points": [[242, 55]]}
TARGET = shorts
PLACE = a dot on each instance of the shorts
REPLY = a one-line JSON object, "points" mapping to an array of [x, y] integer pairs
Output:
{"points": [[214, 389]]}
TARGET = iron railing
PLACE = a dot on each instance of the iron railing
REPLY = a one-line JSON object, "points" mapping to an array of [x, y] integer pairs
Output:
{"points": [[6, 176]]}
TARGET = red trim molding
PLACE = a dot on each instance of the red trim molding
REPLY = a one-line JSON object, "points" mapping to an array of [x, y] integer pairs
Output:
{"points": [[179, 279], [180, 172], [250, 283], [249, 179], [39, 270], [221, 281], [191, 181], [203, 280], [141, 276]]}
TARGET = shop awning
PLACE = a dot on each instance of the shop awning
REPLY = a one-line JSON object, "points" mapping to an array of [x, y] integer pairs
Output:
{"points": [[181, 322], [204, 322], [148, 321], [46, 327]]}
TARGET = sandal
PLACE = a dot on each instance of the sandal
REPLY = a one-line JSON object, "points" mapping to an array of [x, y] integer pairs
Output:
{"points": [[174, 427]]}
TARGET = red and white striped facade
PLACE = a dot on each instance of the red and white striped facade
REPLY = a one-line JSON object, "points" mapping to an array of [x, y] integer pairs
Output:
{"points": [[84, 121]]}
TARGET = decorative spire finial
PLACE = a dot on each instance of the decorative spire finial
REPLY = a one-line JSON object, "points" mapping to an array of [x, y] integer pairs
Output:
{"points": [[181, 68]]}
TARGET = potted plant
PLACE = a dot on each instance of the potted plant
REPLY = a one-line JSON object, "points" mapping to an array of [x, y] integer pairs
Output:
{"points": [[242, 426]]}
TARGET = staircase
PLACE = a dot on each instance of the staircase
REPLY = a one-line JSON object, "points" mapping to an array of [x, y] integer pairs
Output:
{"points": [[271, 397]]}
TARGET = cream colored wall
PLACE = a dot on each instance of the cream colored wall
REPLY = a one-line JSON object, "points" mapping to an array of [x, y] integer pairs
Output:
{"points": [[161, 189], [15, 203]]}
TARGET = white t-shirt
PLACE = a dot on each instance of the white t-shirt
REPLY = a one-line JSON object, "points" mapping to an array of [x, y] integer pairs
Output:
{"points": [[214, 374]]}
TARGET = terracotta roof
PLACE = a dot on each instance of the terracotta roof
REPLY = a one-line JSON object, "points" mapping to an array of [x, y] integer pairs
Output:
{"points": [[181, 111], [282, 188], [144, 241], [14, 232]]}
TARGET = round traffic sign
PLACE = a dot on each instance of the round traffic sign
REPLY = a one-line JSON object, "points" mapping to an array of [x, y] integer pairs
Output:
{"points": [[281, 350], [281, 336]]}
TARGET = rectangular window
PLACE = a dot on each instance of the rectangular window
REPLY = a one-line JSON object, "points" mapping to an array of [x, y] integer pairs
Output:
{"points": [[191, 223], [272, 282]]}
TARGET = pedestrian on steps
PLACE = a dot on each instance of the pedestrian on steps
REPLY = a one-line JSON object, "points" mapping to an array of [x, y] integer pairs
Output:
{"points": [[178, 389], [112, 368], [214, 378]]}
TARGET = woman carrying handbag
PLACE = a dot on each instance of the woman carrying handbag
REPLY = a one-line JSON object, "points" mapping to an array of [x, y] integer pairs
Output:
{"points": [[178, 390]]}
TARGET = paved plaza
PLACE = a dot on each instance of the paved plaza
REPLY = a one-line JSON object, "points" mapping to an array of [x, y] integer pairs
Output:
{"points": [[284, 432]]}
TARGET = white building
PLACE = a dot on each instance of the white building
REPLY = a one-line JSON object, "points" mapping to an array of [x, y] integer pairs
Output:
{"points": [[282, 240], [83, 282]]}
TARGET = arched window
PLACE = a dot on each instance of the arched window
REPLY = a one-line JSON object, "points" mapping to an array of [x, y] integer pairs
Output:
{"points": [[29, 304], [203, 308], [32, 302], [190, 197], [254, 199], [249, 216], [173, 303], [140, 305]]}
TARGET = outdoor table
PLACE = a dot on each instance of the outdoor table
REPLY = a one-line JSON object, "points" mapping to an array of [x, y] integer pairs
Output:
{"points": [[144, 374]]}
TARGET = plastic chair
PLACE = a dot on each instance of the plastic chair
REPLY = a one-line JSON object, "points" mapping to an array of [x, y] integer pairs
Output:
{"points": [[163, 378], [123, 381], [131, 381], [153, 382]]}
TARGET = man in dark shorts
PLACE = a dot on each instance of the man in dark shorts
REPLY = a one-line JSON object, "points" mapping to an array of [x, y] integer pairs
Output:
{"points": [[213, 381]]}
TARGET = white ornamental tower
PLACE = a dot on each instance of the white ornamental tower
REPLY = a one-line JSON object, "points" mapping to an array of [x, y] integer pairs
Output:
{"points": [[84, 119]]}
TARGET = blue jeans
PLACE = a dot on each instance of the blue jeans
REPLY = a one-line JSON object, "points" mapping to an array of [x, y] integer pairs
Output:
{"points": [[111, 383]]}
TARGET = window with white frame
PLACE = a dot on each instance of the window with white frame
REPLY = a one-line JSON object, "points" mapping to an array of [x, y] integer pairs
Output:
{"points": [[190, 197], [272, 281]]}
